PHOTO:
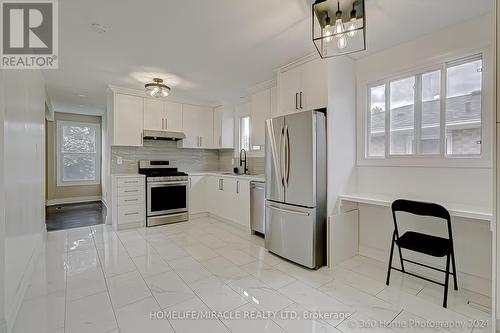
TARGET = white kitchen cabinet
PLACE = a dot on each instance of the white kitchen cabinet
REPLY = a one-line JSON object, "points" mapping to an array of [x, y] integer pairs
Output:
{"points": [[218, 114], [197, 194], [260, 105], [154, 114], [198, 126], [303, 87], [127, 120], [223, 128], [128, 196], [173, 116], [160, 115]]}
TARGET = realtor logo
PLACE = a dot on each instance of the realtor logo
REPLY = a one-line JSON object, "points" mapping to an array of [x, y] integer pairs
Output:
{"points": [[29, 35]]}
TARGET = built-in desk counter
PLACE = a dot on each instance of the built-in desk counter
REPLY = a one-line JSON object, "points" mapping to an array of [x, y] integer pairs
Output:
{"points": [[455, 209]]}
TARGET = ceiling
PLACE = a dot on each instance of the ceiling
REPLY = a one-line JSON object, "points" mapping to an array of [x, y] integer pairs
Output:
{"points": [[211, 51]]}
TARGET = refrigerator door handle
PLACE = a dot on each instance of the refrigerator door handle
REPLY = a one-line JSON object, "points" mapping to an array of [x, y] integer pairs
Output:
{"points": [[287, 153], [289, 211], [274, 152], [284, 154]]}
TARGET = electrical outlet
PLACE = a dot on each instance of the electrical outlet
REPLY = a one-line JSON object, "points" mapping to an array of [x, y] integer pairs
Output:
{"points": [[119, 160]]}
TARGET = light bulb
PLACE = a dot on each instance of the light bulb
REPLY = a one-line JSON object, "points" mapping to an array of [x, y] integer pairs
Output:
{"points": [[341, 41], [327, 30], [339, 26], [351, 27]]}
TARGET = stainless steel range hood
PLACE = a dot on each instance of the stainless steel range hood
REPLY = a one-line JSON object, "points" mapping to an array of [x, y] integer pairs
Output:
{"points": [[163, 135]]}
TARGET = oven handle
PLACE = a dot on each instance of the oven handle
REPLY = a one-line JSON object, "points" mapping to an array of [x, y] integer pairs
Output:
{"points": [[158, 184]]}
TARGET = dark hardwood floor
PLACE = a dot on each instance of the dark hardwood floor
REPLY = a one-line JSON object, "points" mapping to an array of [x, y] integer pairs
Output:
{"points": [[74, 215]]}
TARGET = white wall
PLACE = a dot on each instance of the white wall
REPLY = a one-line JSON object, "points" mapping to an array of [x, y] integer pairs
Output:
{"points": [[23, 177], [341, 129], [439, 181]]}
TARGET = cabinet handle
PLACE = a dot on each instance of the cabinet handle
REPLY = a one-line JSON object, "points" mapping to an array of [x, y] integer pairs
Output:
{"points": [[300, 106], [131, 191], [237, 186], [220, 140], [129, 200], [166, 123], [162, 123], [296, 103], [131, 181], [135, 213], [189, 183], [201, 141], [142, 138]]}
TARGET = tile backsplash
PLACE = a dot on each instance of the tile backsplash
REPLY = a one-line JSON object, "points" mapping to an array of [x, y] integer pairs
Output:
{"points": [[188, 160]]}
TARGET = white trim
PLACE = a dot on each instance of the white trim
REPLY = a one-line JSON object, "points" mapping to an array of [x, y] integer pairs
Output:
{"points": [[59, 181], [62, 201]]}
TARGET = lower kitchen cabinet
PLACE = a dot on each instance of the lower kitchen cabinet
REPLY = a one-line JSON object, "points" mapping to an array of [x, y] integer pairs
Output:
{"points": [[197, 194], [128, 201], [229, 199]]}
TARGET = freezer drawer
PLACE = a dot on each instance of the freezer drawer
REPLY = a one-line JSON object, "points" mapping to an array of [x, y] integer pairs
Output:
{"points": [[294, 233]]}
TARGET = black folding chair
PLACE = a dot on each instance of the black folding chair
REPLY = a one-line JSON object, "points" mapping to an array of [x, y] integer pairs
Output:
{"points": [[423, 243]]}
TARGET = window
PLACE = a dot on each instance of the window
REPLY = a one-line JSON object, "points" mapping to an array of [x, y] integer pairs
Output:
{"points": [[245, 137], [78, 153], [409, 111]]}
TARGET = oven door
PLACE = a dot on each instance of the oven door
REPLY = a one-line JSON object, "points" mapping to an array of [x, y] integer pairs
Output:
{"points": [[167, 197]]}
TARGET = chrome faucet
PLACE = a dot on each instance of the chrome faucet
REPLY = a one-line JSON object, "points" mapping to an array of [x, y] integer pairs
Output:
{"points": [[245, 169]]}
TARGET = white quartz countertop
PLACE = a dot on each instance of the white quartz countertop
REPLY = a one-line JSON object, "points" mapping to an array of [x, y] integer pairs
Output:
{"points": [[127, 175], [228, 174]]}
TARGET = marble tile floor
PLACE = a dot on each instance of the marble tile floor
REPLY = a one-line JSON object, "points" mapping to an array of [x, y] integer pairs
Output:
{"points": [[93, 279]]}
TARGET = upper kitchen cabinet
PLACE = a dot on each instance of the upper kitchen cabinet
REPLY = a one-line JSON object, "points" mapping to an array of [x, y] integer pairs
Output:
{"points": [[302, 87], [126, 115], [260, 105], [198, 126], [162, 115], [223, 128]]}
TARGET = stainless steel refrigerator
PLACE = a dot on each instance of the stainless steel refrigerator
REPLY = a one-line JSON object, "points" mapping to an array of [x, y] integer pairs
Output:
{"points": [[296, 187]]}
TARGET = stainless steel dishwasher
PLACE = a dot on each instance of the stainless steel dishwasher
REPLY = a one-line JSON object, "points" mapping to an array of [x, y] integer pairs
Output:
{"points": [[257, 207]]}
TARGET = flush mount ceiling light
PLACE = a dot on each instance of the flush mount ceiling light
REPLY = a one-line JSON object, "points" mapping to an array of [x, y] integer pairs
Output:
{"points": [[346, 34], [157, 88]]}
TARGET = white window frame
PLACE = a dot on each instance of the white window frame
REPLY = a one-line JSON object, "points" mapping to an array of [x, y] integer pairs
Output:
{"points": [[482, 160], [59, 155], [251, 152]]}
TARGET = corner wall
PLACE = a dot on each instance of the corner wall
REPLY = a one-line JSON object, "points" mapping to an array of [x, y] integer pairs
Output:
{"points": [[23, 191]]}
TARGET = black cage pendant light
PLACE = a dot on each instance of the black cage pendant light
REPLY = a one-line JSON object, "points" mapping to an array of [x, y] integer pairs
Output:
{"points": [[338, 27]]}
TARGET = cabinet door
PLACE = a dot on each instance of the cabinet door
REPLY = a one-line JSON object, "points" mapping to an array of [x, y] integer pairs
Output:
{"points": [[314, 85], [211, 194], [127, 120], [218, 113], [289, 90], [260, 111], [154, 115], [206, 127], [173, 116], [242, 189], [190, 122], [197, 194]]}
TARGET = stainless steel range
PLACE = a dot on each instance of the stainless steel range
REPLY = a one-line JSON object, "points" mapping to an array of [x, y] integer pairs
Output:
{"points": [[167, 193]]}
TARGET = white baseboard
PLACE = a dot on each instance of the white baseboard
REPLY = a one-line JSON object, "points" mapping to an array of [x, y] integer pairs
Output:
{"points": [[13, 310], [198, 216], [467, 281], [62, 201]]}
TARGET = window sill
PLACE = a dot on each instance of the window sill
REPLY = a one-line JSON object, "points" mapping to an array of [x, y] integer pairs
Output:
{"points": [[63, 184], [429, 162]]}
